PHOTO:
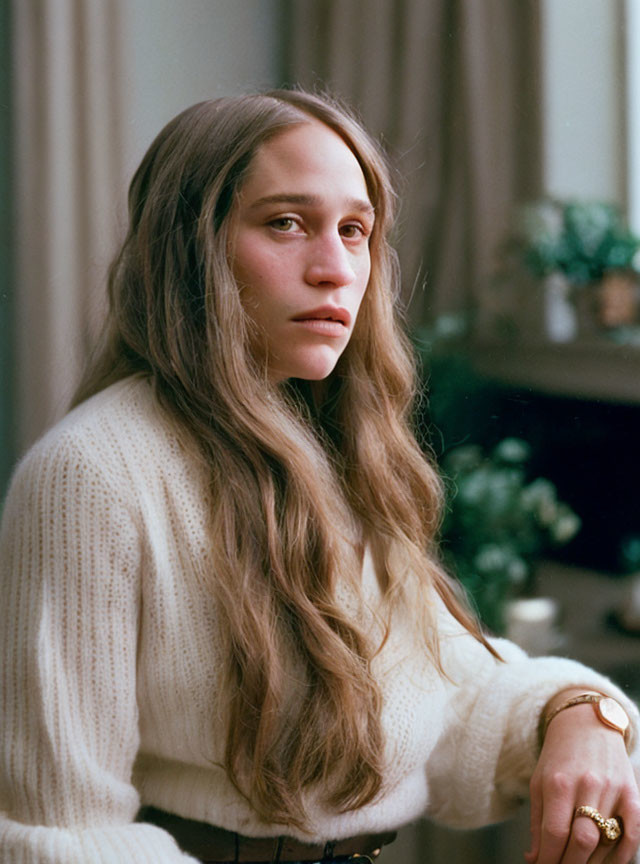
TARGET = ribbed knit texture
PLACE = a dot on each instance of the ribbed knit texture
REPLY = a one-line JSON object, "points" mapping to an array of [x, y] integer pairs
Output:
{"points": [[111, 692]]}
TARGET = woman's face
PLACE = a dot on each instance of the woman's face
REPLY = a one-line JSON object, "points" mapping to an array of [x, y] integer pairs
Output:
{"points": [[301, 243]]}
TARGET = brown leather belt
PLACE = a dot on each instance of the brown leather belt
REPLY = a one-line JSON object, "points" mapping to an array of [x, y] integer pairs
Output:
{"points": [[216, 846]]}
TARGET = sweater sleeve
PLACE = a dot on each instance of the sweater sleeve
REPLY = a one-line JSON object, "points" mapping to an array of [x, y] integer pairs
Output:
{"points": [[480, 771], [70, 564]]}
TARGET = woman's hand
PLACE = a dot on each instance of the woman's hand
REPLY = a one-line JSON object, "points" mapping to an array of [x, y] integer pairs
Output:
{"points": [[582, 763]]}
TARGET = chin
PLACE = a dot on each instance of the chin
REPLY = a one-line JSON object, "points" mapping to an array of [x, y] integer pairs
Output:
{"points": [[316, 369], [315, 376], [306, 375]]}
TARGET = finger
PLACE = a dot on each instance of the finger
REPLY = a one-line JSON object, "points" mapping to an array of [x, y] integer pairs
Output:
{"points": [[628, 811], [565, 839], [557, 814], [586, 836], [584, 843]]}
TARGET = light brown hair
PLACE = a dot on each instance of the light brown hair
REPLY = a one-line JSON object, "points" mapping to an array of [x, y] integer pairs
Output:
{"points": [[302, 475]]}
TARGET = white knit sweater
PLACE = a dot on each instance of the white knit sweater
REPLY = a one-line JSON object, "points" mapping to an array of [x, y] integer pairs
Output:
{"points": [[111, 661]]}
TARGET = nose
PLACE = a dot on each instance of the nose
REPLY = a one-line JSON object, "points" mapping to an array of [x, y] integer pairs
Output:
{"points": [[328, 263]]}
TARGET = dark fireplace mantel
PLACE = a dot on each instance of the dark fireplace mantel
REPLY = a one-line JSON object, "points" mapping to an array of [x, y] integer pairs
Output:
{"points": [[579, 406], [589, 369]]}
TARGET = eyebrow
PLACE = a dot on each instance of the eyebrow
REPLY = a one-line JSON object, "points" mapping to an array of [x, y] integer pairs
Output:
{"points": [[359, 204]]}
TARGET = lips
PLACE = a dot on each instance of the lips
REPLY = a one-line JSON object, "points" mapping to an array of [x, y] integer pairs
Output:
{"points": [[335, 314]]}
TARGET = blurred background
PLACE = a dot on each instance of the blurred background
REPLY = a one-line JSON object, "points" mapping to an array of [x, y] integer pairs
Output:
{"points": [[515, 129]]}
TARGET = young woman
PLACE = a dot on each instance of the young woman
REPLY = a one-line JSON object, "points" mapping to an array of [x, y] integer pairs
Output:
{"points": [[226, 633]]}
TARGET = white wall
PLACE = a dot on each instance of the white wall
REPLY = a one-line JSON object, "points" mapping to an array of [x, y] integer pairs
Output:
{"points": [[632, 34], [583, 85], [177, 52]]}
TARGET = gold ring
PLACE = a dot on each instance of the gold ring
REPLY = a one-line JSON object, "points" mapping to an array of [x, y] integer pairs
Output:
{"points": [[610, 829]]}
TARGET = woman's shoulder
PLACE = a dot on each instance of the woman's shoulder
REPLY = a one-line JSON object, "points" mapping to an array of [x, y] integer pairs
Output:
{"points": [[125, 408], [118, 434], [128, 404]]}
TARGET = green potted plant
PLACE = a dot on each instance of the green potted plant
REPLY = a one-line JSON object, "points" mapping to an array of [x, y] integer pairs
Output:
{"points": [[583, 240], [569, 245], [498, 523]]}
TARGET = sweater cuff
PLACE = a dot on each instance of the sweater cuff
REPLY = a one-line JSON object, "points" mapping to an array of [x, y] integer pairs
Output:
{"points": [[545, 677], [136, 843], [499, 728]]}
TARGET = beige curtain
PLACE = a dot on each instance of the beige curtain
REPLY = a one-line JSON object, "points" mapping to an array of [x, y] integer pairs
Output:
{"points": [[68, 182], [452, 88]]}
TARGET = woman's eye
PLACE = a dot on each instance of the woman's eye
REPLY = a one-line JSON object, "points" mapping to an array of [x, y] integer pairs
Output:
{"points": [[353, 231], [283, 223]]}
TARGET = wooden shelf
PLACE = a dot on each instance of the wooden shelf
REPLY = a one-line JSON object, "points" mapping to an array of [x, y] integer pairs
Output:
{"points": [[596, 370]]}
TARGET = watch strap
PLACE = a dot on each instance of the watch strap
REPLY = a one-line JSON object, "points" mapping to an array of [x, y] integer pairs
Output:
{"points": [[591, 698]]}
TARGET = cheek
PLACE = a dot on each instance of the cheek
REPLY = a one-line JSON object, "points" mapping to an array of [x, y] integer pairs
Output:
{"points": [[258, 271], [363, 286], [261, 292], [363, 281], [246, 266]]}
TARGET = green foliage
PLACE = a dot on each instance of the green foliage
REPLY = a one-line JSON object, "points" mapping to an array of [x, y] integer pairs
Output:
{"points": [[582, 239], [461, 404], [629, 553], [498, 523]]}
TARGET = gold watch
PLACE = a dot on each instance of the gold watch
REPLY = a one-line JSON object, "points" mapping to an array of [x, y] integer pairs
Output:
{"points": [[608, 710]]}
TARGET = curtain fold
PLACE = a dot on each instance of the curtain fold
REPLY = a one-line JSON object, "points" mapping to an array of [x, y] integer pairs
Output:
{"points": [[68, 180], [452, 88]]}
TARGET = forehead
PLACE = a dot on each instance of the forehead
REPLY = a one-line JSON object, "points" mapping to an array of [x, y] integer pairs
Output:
{"points": [[309, 158]]}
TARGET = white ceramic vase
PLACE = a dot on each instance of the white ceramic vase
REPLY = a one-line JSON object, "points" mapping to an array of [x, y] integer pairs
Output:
{"points": [[532, 623], [560, 317]]}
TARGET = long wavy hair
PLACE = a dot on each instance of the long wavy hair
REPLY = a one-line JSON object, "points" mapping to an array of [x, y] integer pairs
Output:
{"points": [[303, 475]]}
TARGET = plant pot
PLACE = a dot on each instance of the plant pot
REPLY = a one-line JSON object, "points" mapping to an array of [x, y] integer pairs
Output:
{"points": [[617, 299], [560, 319]]}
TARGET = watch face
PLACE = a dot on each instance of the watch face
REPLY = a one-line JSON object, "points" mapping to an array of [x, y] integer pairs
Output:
{"points": [[613, 714]]}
